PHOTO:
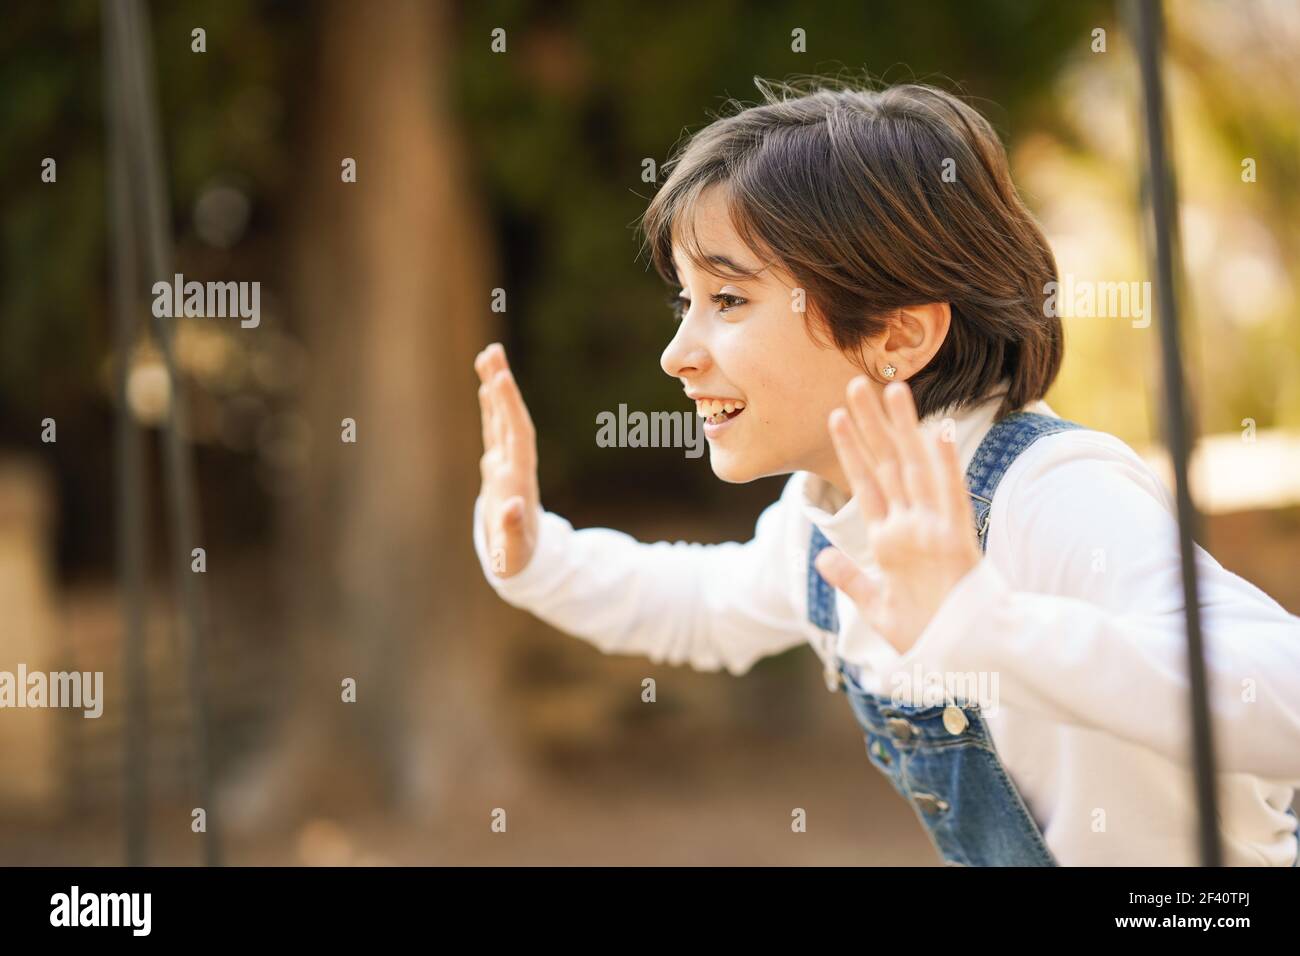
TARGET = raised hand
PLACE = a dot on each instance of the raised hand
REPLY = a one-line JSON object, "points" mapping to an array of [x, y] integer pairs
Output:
{"points": [[912, 494], [508, 466]]}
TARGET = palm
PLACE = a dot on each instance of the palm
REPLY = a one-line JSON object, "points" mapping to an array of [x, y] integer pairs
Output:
{"points": [[508, 468], [913, 497]]}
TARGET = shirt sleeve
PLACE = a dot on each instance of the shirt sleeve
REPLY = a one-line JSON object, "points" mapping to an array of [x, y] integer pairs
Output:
{"points": [[710, 606], [1077, 609]]}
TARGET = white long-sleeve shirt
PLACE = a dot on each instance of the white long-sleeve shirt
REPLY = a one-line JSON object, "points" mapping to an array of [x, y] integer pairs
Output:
{"points": [[1076, 608]]}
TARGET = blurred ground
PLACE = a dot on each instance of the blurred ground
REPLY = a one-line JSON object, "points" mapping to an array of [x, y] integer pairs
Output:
{"points": [[707, 775], [725, 801]]}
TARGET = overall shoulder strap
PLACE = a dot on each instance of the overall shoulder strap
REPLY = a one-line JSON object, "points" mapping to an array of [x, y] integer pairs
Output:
{"points": [[821, 596], [1001, 446]]}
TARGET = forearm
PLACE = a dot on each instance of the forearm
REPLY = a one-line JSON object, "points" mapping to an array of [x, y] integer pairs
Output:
{"points": [[676, 603], [1126, 674]]}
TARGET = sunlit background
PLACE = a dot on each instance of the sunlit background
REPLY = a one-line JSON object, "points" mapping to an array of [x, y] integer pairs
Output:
{"points": [[521, 170]]}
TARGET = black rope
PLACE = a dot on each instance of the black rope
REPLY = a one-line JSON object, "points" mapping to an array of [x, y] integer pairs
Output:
{"points": [[1146, 18], [129, 490], [125, 29]]}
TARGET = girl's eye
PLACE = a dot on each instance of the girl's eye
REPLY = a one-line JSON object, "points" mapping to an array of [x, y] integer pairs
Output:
{"points": [[678, 305], [727, 301]]}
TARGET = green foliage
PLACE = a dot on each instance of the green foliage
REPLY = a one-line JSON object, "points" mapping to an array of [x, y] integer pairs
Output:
{"points": [[559, 126], [222, 113]]}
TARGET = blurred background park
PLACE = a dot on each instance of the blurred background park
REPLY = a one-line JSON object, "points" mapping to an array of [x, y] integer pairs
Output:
{"points": [[521, 169]]}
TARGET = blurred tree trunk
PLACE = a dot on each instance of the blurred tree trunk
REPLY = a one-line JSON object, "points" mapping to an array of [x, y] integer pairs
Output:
{"points": [[390, 290]]}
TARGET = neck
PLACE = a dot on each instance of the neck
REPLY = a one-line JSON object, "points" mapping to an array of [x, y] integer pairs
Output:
{"points": [[828, 469]]}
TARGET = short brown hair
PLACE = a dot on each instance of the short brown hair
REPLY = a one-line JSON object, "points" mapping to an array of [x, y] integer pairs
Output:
{"points": [[844, 188]]}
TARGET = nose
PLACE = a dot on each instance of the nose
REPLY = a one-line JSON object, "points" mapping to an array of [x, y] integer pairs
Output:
{"points": [[685, 355]]}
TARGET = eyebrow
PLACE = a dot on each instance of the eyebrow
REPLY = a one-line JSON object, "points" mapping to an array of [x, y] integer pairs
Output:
{"points": [[726, 263], [729, 264]]}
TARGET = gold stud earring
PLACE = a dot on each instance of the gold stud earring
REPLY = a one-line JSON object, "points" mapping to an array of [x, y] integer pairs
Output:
{"points": [[888, 371]]}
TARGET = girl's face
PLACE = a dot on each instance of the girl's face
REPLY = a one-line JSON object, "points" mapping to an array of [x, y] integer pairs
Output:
{"points": [[743, 343]]}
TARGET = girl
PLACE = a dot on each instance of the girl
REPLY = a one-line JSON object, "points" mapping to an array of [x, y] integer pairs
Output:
{"points": [[996, 590]]}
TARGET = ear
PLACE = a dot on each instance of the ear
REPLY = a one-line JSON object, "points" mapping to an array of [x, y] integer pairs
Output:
{"points": [[913, 338]]}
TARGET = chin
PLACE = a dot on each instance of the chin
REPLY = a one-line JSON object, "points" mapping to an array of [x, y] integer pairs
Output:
{"points": [[736, 469]]}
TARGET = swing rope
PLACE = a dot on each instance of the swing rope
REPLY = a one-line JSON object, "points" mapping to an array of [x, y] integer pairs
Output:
{"points": [[1146, 18], [139, 214]]}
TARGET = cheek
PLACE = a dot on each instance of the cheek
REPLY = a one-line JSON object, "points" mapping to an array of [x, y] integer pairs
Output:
{"points": [[796, 413], [791, 382]]}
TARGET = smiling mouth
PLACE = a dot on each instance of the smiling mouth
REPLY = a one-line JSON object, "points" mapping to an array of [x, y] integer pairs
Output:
{"points": [[717, 411]]}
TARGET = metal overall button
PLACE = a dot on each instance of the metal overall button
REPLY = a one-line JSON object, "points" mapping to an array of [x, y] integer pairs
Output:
{"points": [[929, 803], [834, 679], [879, 750], [901, 729], [954, 719]]}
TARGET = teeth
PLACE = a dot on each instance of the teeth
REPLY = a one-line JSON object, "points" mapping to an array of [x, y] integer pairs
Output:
{"points": [[714, 410]]}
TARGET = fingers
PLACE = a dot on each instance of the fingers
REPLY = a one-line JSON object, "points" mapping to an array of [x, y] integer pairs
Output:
{"points": [[889, 430], [854, 460], [864, 405], [499, 428], [512, 514], [490, 361], [510, 408], [491, 365], [487, 363], [954, 501], [840, 572], [877, 435], [507, 402], [508, 542], [508, 429], [510, 521], [485, 414], [918, 467]]}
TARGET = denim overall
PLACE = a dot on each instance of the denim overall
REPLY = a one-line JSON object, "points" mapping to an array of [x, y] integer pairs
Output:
{"points": [[941, 758]]}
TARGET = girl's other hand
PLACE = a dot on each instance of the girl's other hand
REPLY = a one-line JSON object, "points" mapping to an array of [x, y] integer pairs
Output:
{"points": [[920, 523], [508, 466]]}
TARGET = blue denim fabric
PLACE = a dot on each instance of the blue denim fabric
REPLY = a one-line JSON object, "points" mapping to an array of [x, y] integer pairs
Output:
{"points": [[941, 758]]}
